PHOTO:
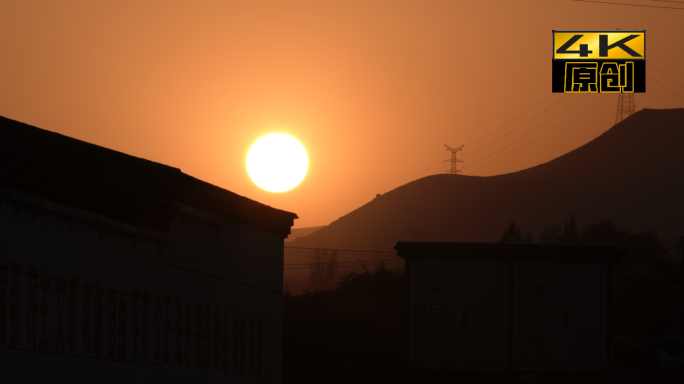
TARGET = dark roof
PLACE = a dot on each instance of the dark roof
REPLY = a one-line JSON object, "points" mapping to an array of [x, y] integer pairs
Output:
{"points": [[415, 250], [127, 188]]}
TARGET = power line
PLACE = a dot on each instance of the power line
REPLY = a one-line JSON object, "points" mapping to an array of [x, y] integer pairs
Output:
{"points": [[515, 129], [661, 96], [341, 250], [538, 104], [344, 253], [503, 126], [673, 80], [650, 53], [343, 256], [344, 262], [666, 88], [433, 164], [650, 78], [657, 82], [347, 263], [520, 148], [633, 5], [476, 150], [489, 134], [535, 139], [573, 102], [478, 169], [657, 93], [397, 260], [362, 265]]}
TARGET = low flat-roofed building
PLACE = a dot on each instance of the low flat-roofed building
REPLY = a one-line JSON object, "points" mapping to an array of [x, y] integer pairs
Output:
{"points": [[524, 307], [118, 269]]}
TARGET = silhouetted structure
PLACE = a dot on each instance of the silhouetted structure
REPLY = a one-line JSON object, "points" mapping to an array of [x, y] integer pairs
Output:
{"points": [[115, 268], [453, 170], [625, 106], [496, 306]]}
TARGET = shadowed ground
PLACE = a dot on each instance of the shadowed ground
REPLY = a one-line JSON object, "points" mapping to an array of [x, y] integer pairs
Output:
{"points": [[365, 344]]}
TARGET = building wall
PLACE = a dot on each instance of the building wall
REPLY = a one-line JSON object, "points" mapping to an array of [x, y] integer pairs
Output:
{"points": [[484, 316], [536, 316], [583, 338], [434, 339], [80, 305], [558, 314]]}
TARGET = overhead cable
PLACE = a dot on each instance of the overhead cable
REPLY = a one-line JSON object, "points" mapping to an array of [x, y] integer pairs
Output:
{"points": [[544, 133]]}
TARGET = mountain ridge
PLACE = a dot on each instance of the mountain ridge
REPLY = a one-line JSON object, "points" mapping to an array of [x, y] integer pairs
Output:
{"points": [[598, 180]]}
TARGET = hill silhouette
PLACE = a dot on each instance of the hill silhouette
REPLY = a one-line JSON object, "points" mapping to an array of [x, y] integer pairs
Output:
{"points": [[301, 232], [630, 174]]}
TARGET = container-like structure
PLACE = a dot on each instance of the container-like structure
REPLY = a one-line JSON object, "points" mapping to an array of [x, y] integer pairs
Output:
{"points": [[118, 269], [518, 307]]}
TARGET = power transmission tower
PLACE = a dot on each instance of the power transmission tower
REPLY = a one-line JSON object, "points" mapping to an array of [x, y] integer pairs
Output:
{"points": [[625, 106], [454, 160]]}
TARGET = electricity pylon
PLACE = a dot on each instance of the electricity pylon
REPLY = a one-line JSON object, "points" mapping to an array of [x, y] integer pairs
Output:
{"points": [[454, 160], [625, 106]]}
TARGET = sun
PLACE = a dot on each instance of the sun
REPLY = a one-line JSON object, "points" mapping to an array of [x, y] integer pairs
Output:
{"points": [[277, 162]]}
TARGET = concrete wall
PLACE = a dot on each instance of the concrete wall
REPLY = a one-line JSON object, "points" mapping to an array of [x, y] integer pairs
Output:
{"points": [[558, 317], [82, 305], [434, 339]]}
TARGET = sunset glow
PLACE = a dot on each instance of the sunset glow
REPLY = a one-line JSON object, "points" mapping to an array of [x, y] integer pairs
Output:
{"points": [[372, 89], [277, 162]]}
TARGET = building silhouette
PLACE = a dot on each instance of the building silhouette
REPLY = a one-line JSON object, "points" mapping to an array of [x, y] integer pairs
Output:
{"points": [[116, 268]]}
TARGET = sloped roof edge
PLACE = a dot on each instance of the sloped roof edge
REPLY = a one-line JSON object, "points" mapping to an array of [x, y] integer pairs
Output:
{"points": [[135, 175]]}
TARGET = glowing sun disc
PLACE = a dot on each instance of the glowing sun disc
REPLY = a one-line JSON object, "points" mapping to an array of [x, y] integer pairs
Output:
{"points": [[277, 162]]}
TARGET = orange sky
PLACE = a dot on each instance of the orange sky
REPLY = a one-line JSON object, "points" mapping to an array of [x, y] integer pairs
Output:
{"points": [[372, 89]]}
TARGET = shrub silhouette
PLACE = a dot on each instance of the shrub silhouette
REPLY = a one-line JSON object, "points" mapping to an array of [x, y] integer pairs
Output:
{"points": [[322, 268], [382, 285], [513, 234], [568, 233]]}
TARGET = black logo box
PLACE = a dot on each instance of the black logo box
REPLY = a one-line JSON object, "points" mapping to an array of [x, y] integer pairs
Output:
{"points": [[558, 73]]}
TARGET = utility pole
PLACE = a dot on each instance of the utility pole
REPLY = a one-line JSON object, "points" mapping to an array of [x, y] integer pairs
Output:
{"points": [[454, 170]]}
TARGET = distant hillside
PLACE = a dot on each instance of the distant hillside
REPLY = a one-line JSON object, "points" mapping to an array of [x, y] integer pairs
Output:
{"points": [[301, 232], [631, 174]]}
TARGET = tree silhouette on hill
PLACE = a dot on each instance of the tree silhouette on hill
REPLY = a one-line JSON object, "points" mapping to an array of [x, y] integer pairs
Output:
{"points": [[512, 234]]}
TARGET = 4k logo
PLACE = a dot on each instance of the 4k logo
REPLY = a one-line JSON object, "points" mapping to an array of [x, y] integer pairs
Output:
{"points": [[599, 45], [598, 61]]}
